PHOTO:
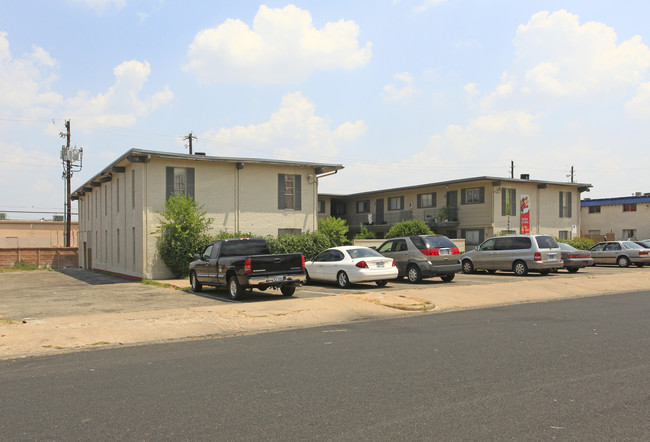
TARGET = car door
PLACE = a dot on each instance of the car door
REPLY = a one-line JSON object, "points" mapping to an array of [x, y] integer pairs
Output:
{"points": [[611, 252], [315, 267], [331, 267], [483, 256], [597, 253], [202, 269]]}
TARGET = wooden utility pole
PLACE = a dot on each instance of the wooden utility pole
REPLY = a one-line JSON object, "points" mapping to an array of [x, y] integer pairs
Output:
{"points": [[512, 169], [189, 138], [68, 174]]}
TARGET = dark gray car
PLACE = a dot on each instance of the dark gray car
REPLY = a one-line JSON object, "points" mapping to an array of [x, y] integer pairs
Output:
{"points": [[423, 256]]}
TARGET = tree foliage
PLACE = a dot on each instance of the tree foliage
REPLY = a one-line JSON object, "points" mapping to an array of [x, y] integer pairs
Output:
{"points": [[335, 229], [309, 244], [182, 232], [409, 228], [364, 233]]}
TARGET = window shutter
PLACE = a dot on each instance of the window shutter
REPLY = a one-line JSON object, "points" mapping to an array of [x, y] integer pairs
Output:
{"points": [[190, 182], [281, 204], [298, 193], [419, 201], [401, 203], [463, 198], [561, 201], [568, 194], [169, 182], [503, 202], [434, 203], [481, 194]]}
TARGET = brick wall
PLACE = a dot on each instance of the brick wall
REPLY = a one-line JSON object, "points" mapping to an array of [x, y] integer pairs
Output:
{"points": [[55, 257]]}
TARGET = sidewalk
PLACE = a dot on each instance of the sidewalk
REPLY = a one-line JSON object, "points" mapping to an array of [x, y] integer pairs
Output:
{"points": [[77, 332]]}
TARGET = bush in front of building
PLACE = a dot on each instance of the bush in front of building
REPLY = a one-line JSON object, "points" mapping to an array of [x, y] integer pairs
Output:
{"points": [[579, 243], [183, 231], [309, 244], [335, 229], [364, 233], [409, 228]]}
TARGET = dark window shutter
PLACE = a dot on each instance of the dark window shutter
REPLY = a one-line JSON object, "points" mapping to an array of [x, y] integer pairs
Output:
{"points": [[419, 201], [503, 202], [297, 189], [401, 203], [190, 182], [568, 195], [561, 201], [281, 204], [481, 194], [433, 199], [463, 198], [169, 182]]}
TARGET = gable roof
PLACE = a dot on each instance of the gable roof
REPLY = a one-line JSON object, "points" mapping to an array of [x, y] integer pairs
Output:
{"points": [[615, 201]]}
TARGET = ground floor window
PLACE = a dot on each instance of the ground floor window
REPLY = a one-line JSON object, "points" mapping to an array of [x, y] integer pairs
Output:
{"points": [[629, 233], [472, 237], [563, 234]]}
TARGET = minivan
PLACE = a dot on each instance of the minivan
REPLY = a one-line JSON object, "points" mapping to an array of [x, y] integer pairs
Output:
{"points": [[515, 253]]}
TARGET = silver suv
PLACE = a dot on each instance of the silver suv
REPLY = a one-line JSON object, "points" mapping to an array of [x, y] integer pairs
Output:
{"points": [[423, 256], [515, 253]]}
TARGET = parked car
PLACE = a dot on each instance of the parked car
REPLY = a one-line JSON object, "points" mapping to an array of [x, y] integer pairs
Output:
{"points": [[347, 265], [645, 243], [423, 256], [575, 259], [245, 263], [515, 253], [622, 253]]}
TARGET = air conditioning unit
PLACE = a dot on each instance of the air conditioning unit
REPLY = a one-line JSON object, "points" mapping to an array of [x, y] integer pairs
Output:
{"points": [[57, 218], [3, 216]]}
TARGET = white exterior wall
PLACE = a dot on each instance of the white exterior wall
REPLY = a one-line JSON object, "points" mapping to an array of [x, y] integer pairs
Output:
{"points": [[614, 219]]}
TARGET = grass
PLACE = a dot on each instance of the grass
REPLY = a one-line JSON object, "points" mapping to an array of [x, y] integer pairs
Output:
{"points": [[21, 266]]}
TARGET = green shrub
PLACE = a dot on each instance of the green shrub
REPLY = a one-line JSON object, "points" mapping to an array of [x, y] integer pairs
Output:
{"points": [[364, 233], [409, 228], [335, 229], [182, 232], [579, 243], [309, 244]]}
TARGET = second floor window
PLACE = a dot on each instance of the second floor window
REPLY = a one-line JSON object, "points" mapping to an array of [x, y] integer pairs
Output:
{"points": [[509, 202], [629, 207], [474, 195], [321, 206], [594, 209], [179, 181], [289, 192], [396, 203], [565, 204], [426, 200], [363, 206]]}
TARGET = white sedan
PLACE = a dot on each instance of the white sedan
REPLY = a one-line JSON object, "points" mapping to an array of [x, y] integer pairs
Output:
{"points": [[347, 265]]}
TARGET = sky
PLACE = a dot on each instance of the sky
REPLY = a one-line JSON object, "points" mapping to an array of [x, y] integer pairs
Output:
{"points": [[400, 92]]}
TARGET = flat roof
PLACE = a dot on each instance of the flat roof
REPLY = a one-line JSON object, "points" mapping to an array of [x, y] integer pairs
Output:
{"points": [[147, 154], [615, 201]]}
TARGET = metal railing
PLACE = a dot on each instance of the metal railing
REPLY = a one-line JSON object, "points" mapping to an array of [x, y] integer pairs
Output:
{"points": [[432, 217]]}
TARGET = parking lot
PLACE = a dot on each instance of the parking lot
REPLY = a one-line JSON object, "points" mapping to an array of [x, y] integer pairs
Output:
{"points": [[70, 292]]}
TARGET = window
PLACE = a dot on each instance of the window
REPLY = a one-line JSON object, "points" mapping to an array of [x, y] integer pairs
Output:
{"points": [[321, 206], [133, 189], [509, 202], [289, 193], [426, 200], [565, 204], [395, 203], [117, 189], [475, 195], [106, 200], [629, 233], [179, 181], [563, 234], [629, 207], [363, 206], [472, 236], [594, 209]]}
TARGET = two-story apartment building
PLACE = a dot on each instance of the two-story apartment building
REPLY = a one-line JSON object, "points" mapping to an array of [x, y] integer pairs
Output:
{"points": [[118, 206], [472, 208], [627, 217]]}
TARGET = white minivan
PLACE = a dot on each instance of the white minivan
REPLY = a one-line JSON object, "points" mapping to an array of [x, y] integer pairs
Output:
{"points": [[515, 253]]}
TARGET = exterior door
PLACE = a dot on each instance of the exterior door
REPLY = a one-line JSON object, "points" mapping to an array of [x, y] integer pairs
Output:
{"points": [[379, 215], [452, 201]]}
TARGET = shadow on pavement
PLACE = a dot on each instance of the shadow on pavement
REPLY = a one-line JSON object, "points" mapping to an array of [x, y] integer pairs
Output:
{"points": [[94, 278]]}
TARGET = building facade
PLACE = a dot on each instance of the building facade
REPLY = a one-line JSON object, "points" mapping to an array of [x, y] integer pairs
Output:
{"points": [[625, 217], [118, 208], [472, 209], [17, 234]]}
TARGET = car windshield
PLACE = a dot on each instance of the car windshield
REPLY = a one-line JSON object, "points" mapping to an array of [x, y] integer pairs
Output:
{"points": [[546, 242], [565, 246], [363, 252], [631, 245]]}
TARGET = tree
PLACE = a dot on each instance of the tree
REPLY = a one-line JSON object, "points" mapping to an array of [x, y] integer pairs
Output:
{"points": [[364, 233], [409, 228], [335, 229], [182, 232]]}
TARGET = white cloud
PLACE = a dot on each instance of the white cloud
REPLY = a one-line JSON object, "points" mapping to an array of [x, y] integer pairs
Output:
{"points": [[393, 92], [282, 47], [293, 131], [556, 55], [639, 106], [121, 104], [25, 82]]}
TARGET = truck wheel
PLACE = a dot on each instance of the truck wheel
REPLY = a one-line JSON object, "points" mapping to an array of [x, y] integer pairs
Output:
{"points": [[288, 290], [342, 280], [194, 282], [234, 288], [414, 274]]}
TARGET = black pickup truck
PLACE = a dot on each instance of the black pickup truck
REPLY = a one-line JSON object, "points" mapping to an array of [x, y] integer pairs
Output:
{"points": [[243, 263]]}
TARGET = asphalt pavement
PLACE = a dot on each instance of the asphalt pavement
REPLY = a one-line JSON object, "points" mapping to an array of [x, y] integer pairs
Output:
{"points": [[50, 312]]}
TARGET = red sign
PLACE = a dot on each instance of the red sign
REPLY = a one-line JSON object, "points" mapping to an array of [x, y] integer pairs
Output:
{"points": [[525, 214]]}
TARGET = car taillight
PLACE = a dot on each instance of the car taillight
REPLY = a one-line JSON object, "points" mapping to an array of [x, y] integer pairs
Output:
{"points": [[455, 251], [362, 265], [303, 262], [247, 266], [430, 252], [643, 252], [538, 256], [394, 264]]}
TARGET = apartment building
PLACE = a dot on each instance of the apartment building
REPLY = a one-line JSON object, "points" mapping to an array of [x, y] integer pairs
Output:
{"points": [[472, 208], [118, 207], [626, 217]]}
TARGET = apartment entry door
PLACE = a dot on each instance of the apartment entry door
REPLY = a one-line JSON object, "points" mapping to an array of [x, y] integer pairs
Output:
{"points": [[452, 201], [379, 215]]}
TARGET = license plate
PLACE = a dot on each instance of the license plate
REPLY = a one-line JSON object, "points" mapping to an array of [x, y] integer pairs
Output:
{"points": [[278, 278], [445, 251], [380, 264]]}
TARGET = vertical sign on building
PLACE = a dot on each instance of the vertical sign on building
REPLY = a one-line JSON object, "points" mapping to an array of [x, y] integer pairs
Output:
{"points": [[525, 214]]}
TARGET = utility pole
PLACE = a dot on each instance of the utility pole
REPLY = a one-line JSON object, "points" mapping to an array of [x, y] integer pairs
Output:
{"points": [[189, 138], [512, 169], [68, 156], [571, 174]]}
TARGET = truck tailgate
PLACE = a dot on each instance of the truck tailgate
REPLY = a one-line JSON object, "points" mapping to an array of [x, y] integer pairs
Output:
{"points": [[276, 264]]}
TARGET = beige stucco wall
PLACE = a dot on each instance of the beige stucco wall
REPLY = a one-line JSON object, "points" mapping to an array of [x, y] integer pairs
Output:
{"points": [[244, 200], [612, 218], [35, 234]]}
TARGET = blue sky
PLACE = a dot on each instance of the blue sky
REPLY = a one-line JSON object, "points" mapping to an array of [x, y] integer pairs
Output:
{"points": [[400, 92]]}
